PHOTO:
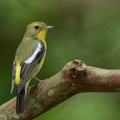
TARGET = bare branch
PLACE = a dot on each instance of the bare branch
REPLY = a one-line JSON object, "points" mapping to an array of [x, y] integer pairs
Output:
{"points": [[74, 78]]}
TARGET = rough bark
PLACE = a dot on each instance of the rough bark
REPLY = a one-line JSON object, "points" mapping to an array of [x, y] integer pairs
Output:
{"points": [[74, 78]]}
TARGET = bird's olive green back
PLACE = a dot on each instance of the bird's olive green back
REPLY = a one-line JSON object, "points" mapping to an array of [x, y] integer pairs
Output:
{"points": [[25, 49]]}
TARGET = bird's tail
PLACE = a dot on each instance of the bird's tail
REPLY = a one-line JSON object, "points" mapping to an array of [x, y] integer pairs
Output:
{"points": [[20, 101]]}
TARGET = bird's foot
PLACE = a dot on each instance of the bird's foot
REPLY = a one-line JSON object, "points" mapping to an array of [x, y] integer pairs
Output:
{"points": [[31, 88]]}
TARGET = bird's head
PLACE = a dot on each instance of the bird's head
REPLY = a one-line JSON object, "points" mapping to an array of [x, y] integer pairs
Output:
{"points": [[37, 30]]}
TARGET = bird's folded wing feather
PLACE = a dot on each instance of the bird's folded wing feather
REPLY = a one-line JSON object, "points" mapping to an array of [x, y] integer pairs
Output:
{"points": [[28, 66]]}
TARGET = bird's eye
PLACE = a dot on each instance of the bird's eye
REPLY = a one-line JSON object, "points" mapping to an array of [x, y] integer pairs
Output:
{"points": [[36, 27]]}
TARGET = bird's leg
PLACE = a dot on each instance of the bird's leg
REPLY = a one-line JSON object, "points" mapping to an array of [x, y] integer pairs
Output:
{"points": [[32, 87], [38, 79]]}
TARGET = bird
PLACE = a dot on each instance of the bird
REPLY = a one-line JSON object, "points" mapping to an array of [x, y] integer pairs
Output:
{"points": [[28, 60]]}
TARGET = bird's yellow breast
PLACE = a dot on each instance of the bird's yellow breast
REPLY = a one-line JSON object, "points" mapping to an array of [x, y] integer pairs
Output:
{"points": [[41, 36]]}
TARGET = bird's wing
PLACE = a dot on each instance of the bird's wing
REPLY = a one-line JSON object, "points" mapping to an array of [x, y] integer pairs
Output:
{"points": [[13, 76], [29, 66]]}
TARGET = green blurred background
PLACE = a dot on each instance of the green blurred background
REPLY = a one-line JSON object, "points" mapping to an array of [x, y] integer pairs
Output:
{"points": [[83, 29]]}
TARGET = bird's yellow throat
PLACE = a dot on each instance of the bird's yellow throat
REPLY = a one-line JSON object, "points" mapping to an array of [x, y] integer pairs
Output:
{"points": [[41, 35]]}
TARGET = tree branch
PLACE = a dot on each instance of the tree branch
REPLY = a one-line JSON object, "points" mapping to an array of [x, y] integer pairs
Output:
{"points": [[74, 78]]}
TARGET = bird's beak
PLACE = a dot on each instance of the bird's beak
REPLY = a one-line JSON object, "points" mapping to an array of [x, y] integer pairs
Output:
{"points": [[47, 27]]}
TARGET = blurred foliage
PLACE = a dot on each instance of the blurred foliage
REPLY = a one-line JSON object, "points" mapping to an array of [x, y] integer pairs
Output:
{"points": [[83, 29]]}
